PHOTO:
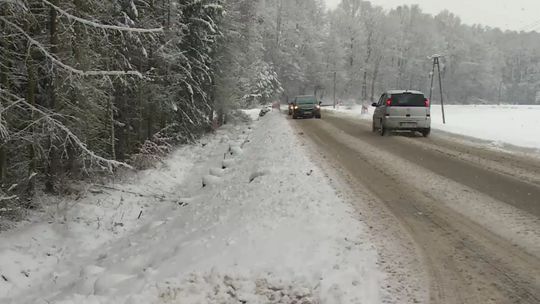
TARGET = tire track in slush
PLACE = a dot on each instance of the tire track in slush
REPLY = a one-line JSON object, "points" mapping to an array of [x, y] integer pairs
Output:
{"points": [[466, 262]]}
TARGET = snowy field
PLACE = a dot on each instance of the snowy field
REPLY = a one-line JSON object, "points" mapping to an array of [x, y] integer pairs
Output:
{"points": [[504, 124], [266, 229]]}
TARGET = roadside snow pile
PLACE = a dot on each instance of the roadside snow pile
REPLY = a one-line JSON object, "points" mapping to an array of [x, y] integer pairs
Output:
{"points": [[269, 230], [227, 289], [252, 113], [515, 125]]}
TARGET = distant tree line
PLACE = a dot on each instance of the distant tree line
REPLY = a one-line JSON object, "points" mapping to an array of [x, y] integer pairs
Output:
{"points": [[371, 50]]}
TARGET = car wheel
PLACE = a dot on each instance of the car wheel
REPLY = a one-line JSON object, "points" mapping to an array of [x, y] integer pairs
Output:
{"points": [[382, 129], [426, 132], [318, 117]]}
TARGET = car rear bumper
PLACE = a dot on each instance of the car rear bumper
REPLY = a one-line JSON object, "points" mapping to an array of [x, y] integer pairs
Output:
{"points": [[407, 123], [307, 113]]}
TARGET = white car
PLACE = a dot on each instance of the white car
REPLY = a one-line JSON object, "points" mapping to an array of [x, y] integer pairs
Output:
{"points": [[402, 110]]}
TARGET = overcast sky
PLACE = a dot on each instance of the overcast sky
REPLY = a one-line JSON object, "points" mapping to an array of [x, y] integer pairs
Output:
{"points": [[505, 14]]}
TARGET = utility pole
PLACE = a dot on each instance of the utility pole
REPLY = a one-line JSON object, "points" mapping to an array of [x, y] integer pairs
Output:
{"points": [[436, 63], [335, 74], [500, 92]]}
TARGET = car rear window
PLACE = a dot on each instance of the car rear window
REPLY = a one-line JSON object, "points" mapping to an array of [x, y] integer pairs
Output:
{"points": [[408, 100]]}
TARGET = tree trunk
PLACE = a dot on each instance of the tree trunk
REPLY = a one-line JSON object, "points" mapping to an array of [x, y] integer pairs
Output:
{"points": [[4, 82], [366, 64], [53, 161], [278, 24], [31, 98], [374, 78], [78, 51], [149, 121], [112, 134]]}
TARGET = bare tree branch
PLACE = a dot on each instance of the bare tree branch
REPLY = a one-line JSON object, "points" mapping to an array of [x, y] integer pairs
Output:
{"points": [[102, 26], [69, 135], [68, 67]]}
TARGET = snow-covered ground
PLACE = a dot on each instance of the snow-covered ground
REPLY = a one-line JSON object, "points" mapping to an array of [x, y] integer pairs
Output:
{"points": [[266, 229], [499, 124]]}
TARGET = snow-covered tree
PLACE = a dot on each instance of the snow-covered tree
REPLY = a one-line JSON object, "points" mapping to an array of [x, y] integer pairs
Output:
{"points": [[84, 84], [262, 85]]}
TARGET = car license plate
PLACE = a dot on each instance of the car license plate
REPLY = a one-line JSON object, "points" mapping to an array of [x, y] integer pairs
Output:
{"points": [[408, 124], [307, 113]]}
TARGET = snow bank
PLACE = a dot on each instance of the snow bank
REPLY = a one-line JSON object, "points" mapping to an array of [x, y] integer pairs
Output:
{"points": [[252, 113], [515, 125], [271, 231]]}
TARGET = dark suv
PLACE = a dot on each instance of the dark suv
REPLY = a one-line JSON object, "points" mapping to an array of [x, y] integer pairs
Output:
{"points": [[306, 106]]}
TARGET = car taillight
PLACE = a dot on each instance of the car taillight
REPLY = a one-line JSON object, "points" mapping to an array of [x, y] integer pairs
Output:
{"points": [[426, 102], [388, 102]]}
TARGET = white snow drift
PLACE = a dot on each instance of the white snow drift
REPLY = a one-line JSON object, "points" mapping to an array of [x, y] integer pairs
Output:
{"points": [[269, 230]]}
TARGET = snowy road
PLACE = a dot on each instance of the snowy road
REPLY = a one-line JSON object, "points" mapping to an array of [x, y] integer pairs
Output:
{"points": [[463, 218]]}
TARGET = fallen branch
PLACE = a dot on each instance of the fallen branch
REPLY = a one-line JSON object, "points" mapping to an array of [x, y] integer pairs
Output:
{"points": [[161, 198], [8, 198], [128, 191]]}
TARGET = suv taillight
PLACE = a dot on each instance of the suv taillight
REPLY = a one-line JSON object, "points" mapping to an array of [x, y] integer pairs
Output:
{"points": [[426, 102]]}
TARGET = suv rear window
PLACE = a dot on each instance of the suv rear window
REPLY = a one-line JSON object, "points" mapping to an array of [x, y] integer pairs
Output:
{"points": [[408, 100]]}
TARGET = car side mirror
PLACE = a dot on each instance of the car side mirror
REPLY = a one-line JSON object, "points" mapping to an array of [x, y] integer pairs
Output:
{"points": [[374, 104]]}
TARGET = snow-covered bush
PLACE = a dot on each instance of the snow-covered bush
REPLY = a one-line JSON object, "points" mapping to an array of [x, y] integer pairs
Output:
{"points": [[152, 152]]}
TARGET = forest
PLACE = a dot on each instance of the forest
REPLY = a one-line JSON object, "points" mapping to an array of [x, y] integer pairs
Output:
{"points": [[91, 87]]}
